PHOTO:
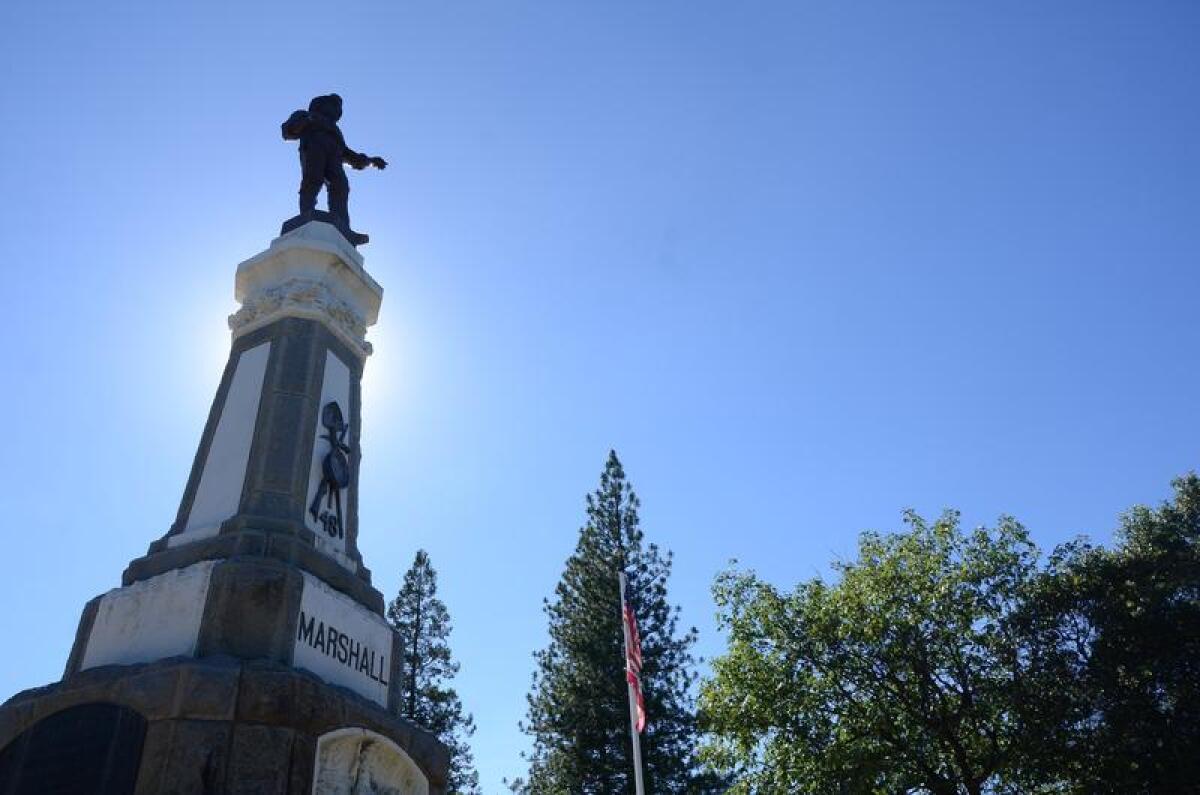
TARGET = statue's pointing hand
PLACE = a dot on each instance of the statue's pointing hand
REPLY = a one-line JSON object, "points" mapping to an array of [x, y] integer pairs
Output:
{"points": [[379, 163]]}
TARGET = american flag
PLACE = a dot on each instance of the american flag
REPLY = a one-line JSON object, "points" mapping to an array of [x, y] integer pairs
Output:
{"points": [[633, 663]]}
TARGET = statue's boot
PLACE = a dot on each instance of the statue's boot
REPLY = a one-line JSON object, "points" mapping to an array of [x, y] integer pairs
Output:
{"points": [[339, 210], [343, 225]]}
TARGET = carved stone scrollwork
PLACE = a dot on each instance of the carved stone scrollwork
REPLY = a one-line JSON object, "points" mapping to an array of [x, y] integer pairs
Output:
{"points": [[304, 297]]}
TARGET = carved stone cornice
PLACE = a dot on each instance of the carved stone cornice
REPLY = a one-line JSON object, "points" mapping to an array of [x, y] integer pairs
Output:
{"points": [[309, 272], [299, 297]]}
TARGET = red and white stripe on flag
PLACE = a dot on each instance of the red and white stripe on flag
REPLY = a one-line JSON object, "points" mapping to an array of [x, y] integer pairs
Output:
{"points": [[633, 663]]}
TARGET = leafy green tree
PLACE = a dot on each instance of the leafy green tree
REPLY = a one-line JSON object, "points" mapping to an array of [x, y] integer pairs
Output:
{"points": [[901, 677], [1120, 634], [947, 662], [578, 713], [428, 700]]}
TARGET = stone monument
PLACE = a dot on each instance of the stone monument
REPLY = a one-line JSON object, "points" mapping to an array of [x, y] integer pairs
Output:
{"points": [[247, 651]]}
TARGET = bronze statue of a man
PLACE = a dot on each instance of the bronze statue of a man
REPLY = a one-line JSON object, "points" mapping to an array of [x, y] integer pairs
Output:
{"points": [[323, 151]]}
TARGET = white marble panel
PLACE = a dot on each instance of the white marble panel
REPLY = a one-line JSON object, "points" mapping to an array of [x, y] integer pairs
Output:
{"points": [[150, 620], [343, 642], [220, 490]]}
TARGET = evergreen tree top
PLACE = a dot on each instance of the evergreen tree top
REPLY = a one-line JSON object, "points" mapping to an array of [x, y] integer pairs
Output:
{"points": [[428, 700], [578, 711]]}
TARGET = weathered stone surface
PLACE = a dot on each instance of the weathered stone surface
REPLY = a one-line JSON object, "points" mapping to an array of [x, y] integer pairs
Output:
{"points": [[209, 692], [299, 370], [284, 437], [266, 696], [304, 750], [427, 752], [279, 501], [155, 751], [97, 684], [249, 609], [51, 700], [178, 557], [271, 740], [260, 759], [287, 541], [250, 543], [196, 758], [317, 706], [79, 646], [151, 693], [284, 456]]}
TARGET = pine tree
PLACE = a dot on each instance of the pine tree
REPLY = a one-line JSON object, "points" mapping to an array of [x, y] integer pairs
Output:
{"points": [[428, 701], [578, 711]]}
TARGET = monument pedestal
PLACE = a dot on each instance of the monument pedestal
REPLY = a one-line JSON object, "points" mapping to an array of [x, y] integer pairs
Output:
{"points": [[209, 725], [247, 651]]}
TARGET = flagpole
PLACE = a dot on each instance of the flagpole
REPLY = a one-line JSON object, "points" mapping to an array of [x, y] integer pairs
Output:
{"points": [[637, 745]]}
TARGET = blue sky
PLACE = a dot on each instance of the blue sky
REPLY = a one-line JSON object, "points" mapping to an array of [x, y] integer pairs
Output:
{"points": [[803, 265]]}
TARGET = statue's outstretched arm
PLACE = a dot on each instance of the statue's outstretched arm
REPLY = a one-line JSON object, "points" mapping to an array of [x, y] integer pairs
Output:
{"points": [[358, 160]]}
